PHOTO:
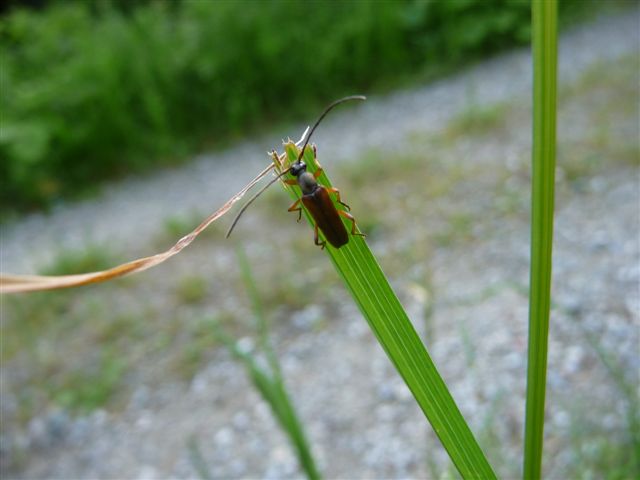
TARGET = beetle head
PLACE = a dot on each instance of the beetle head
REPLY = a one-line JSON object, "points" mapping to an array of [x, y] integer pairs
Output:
{"points": [[298, 168]]}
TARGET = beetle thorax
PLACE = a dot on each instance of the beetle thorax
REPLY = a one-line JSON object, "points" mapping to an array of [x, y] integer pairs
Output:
{"points": [[307, 183]]}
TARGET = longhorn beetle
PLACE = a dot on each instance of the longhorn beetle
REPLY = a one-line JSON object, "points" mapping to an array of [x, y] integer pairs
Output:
{"points": [[315, 197]]}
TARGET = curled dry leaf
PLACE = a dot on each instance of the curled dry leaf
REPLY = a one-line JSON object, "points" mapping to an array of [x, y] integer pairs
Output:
{"points": [[32, 283]]}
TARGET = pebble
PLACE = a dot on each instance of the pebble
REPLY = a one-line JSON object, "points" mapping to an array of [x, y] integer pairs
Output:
{"points": [[305, 319]]}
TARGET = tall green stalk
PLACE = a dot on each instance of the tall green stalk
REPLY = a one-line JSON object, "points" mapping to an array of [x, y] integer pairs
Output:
{"points": [[544, 32]]}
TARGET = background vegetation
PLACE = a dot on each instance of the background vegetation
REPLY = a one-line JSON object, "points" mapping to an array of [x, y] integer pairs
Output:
{"points": [[98, 347], [96, 89]]}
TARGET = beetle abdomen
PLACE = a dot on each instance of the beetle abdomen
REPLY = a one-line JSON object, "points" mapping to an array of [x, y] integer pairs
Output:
{"points": [[325, 214]]}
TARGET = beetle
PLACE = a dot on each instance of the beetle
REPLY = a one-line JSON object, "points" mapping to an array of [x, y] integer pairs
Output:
{"points": [[317, 201], [315, 197]]}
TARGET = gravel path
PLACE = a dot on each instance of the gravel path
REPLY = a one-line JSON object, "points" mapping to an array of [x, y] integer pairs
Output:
{"points": [[132, 211], [467, 299]]}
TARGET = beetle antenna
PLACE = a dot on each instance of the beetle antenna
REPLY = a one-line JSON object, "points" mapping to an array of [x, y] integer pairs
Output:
{"points": [[324, 114], [246, 205], [274, 180]]}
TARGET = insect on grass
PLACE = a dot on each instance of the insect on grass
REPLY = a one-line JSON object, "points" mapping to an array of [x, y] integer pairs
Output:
{"points": [[316, 198]]}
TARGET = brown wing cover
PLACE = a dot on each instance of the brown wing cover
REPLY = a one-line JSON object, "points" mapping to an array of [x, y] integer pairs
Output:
{"points": [[325, 214]]}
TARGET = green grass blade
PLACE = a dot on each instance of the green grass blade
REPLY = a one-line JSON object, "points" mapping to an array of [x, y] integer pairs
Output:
{"points": [[378, 303], [262, 325], [273, 391], [269, 384], [544, 31]]}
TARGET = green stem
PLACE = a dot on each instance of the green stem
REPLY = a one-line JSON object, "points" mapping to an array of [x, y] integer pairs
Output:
{"points": [[544, 18]]}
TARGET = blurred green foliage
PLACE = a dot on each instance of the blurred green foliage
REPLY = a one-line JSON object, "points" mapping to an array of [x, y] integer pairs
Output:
{"points": [[95, 89]]}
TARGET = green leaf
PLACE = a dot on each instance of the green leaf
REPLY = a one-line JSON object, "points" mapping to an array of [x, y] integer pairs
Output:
{"points": [[378, 303], [545, 53]]}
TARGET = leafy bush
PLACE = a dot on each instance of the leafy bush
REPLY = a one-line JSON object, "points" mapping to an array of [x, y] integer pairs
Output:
{"points": [[92, 90]]}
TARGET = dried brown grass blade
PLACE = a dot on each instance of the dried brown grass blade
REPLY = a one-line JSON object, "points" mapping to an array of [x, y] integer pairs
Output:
{"points": [[31, 283]]}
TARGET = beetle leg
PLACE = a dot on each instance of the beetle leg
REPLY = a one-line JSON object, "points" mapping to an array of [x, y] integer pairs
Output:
{"points": [[315, 157], [293, 208], [316, 239], [318, 172], [337, 192], [290, 181], [353, 222]]}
